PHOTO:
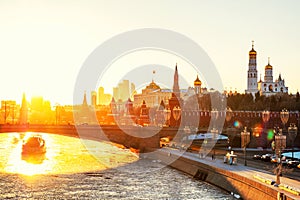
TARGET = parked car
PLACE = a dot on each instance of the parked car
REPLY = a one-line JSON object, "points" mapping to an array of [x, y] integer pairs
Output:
{"points": [[257, 157], [274, 159], [298, 166], [266, 157], [293, 163]]}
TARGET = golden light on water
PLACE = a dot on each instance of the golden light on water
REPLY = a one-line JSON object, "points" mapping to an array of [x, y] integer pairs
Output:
{"points": [[63, 155]]}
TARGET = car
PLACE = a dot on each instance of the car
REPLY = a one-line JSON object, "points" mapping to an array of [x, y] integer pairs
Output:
{"points": [[256, 157], [298, 166], [274, 159], [293, 163], [266, 157]]}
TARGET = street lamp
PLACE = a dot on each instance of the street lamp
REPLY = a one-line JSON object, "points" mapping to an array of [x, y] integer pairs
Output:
{"points": [[228, 115], [214, 116], [214, 137], [284, 116], [292, 131], [280, 144], [265, 117], [245, 140], [176, 113]]}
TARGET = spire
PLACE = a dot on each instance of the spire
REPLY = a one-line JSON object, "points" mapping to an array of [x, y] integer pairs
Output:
{"points": [[279, 78], [260, 78], [268, 60], [84, 99], [252, 51], [175, 84]]}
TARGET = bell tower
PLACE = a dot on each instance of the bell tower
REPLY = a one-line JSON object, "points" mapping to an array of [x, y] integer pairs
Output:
{"points": [[252, 72]]}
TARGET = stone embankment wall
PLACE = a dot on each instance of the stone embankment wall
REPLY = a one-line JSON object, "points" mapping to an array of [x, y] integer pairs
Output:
{"points": [[230, 181]]}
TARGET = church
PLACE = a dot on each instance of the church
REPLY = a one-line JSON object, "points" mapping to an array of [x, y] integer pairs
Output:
{"points": [[267, 86]]}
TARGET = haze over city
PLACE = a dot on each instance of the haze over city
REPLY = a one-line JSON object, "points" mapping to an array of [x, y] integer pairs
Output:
{"points": [[44, 43]]}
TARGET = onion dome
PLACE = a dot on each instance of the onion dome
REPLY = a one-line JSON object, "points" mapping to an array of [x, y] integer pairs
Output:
{"points": [[197, 82], [268, 66], [252, 51]]}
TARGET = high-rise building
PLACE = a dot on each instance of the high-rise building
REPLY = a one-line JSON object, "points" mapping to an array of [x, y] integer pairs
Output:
{"points": [[94, 98], [37, 103], [124, 90], [23, 111], [100, 95], [116, 93]]}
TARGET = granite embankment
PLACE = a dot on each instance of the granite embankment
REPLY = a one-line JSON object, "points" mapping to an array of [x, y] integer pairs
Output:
{"points": [[236, 179]]}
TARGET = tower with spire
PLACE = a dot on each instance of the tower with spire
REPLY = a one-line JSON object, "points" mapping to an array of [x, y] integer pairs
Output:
{"points": [[268, 72], [176, 90], [252, 72], [24, 111], [175, 100]]}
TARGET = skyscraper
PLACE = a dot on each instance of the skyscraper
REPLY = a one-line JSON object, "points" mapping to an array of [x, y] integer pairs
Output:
{"points": [[94, 98], [24, 111]]}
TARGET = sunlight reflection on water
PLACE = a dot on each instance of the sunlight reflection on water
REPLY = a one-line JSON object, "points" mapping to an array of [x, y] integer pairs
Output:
{"points": [[64, 155]]}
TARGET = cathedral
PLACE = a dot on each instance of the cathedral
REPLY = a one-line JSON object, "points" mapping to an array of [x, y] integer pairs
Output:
{"points": [[267, 86]]}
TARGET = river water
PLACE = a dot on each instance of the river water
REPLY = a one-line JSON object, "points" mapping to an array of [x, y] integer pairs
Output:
{"points": [[69, 171]]}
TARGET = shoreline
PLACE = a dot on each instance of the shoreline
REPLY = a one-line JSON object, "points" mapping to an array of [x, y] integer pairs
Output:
{"points": [[235, 179]]}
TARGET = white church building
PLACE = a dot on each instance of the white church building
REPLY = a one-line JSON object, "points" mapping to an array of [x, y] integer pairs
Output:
{"points": [[267, 86]]}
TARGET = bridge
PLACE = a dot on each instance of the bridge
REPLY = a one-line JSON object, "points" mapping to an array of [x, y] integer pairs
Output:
{"points": [[137, 137]]}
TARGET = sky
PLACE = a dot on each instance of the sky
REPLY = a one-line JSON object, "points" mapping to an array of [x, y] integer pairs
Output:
{"points": [[43, 44]]}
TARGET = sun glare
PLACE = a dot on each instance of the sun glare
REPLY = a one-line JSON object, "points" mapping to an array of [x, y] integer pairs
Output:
{"points": [[64, 155]]}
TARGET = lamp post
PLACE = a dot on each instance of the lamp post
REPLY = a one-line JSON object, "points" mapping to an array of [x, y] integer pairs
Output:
{"points": [[280, 144], [245, 140], [292, 131], [214, 116], [284, 116], [228, 118], [265, 117], [176, 113]]}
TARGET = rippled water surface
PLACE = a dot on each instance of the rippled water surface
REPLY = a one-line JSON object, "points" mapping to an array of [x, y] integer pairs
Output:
{"points": [[68, 171]]}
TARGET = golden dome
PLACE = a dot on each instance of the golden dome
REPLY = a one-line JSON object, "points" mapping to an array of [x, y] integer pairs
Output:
{"points": [[197, 82], [252, 51], [152, 86], [268, 66]]}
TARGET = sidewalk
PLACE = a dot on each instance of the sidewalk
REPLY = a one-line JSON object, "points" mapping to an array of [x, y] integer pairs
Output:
{"points": [[249, 172]]}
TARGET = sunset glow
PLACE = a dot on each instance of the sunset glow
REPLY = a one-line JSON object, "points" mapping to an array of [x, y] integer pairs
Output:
{"points": [[64, 155]]}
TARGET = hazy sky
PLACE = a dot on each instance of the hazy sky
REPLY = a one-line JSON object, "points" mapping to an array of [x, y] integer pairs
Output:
{"points": [[43, 44]]}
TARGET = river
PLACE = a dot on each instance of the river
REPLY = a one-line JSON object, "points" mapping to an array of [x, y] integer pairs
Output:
{"points": [[69, 171]]}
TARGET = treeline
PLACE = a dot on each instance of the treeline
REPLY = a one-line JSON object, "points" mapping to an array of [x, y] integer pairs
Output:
{"points": [[260, 102]]}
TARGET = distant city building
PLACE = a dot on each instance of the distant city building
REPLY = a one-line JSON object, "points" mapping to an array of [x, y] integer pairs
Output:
{"points": [[94, 98], [8, 112], [116, 93], [266, 87], [24, 111], [103, 99], [123, 91]]}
